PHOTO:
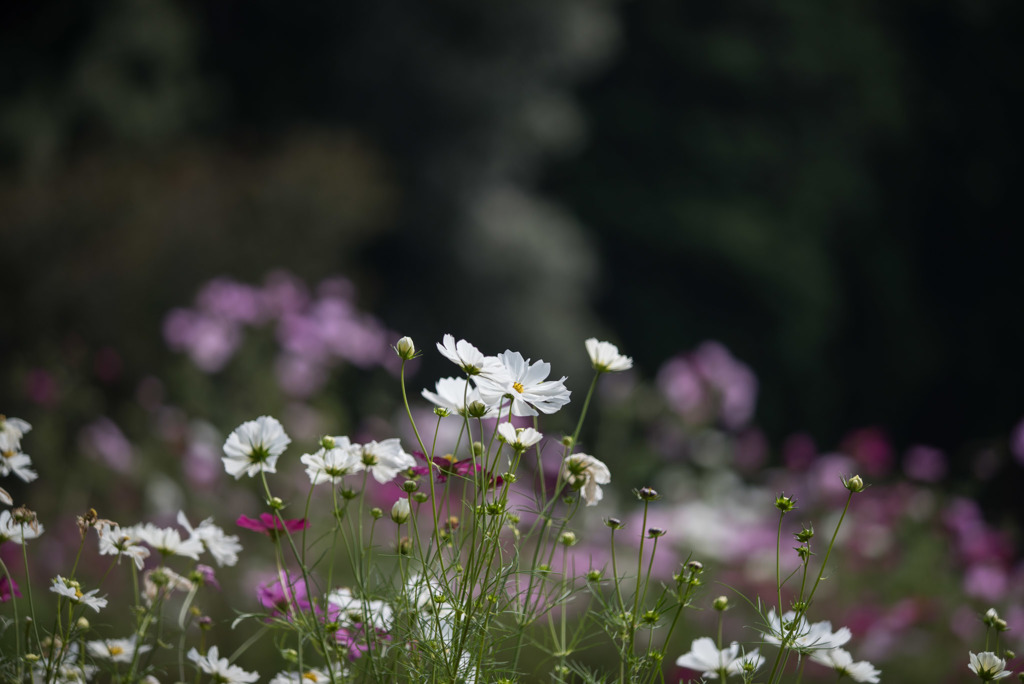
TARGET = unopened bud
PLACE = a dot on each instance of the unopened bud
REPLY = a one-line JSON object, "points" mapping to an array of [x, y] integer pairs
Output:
{"points": [[478, 449], [376, 513], [594, 576], [276, 503], [854, 484], [400, 511], [420, 497], [614, 523], [785, 503], [82, 623], [567, 539], [476, 409], [720, 603], [327, 442], [655, 532], [410, 486], [647, 494], [405, 349], [567, 441]]}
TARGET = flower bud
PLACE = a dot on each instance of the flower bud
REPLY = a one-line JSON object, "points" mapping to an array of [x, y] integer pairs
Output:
{"points": [[376, 513], [805, 535], [82, 623], [478, 449], [614, 523], [720, 603], [476, 409], [567, 441], [655, 532], [327, 442], [695, 567], [647, 494], [594, 576], [410, 486], [276, 503], [405, 349], [420, 497], [567, 539], [441, 412], [854, 484], [400, 511], [785, 503]]}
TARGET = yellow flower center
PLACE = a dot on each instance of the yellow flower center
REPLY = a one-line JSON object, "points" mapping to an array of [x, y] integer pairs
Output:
{"points": [[116, 650], [311, 677], [518, 387], [78, 593]]}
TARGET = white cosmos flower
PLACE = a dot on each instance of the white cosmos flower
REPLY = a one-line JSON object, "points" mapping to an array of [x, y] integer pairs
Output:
{"points": [[221, 670], [352, 611], [17, 463], [118, 541], [70, 589], [467, 357], [168, 541], [455, 394], [605, 357], [525, 384], [17, 532], [386, 459], [331, 465], [584, 472], [987, 665], [519, 439], [254, 447], [309, 676], [223, 547], [842, 662], [803, 636], [68, 671], [116, 650], [706, 658], [11, 432]]}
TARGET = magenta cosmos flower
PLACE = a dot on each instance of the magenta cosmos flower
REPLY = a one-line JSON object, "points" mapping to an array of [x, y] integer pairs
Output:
{"points": [[269, 524]]}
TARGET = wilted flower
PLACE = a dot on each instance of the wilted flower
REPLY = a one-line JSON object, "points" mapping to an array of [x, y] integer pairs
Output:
{"points": [[606, 358], [584, 472], [842, 662], [17, 531], [70, 589], [706, 658], [222, 671], [525, 384], [254, 447], [987, 665]]}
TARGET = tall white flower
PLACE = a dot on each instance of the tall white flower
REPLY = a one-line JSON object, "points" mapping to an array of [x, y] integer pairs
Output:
{"points": [[116, 650], [222, 671], [118, 541], [222, 546], [309, 676], [17, 463], [462, 354], [519, 439], [842, 662], [16, 531], [332, 464], [525, 384], [254, 447], [802, 635], [11, 432], [456, 394], [605, 357], [353, 611], [987, 665], [386, 459], [584, 472], [72, 590], [706, 658]]}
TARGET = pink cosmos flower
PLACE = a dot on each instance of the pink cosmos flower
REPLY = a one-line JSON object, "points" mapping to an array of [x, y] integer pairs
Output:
{"points": [[8, 590], [269, 524]]}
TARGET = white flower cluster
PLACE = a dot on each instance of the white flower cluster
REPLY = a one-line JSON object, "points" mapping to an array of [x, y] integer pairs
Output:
{"points": [[338, 457], [115, 540]]}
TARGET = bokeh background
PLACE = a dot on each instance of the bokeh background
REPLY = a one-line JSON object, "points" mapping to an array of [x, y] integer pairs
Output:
{"points": [[824, 189]]}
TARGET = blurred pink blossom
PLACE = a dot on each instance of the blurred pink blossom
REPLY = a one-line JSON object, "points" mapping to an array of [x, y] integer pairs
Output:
{"points": [[104, 440], [710, 384], [924, 463]]}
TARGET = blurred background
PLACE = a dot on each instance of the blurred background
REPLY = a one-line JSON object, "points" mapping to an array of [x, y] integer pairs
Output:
{"points": [[823, 189]]}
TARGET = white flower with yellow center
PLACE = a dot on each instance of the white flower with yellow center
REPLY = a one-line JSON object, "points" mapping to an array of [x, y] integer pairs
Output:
{"points": [[17, 463], [308, 677], [116, 650], [72, 590], [605, 357], [254, 447], [331, 465], [585, 473], [118, 541], [525, 384]]}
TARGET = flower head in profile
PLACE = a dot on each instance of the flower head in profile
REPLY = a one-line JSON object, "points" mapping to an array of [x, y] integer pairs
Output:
{"points": [[331, 464], [525, 384], [72, 590], [386, 459], [17, 463], [11, 432], [987, 665], [116, 650], [220, 669], [585, 473], [456, 394], [168, 542], [706, 658], [519, 439], [842, 662], [18, 529], [118, 541], [269, 524], [462, 354], [803, 636], [605, 357], [223, 547], [254, 447]]}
